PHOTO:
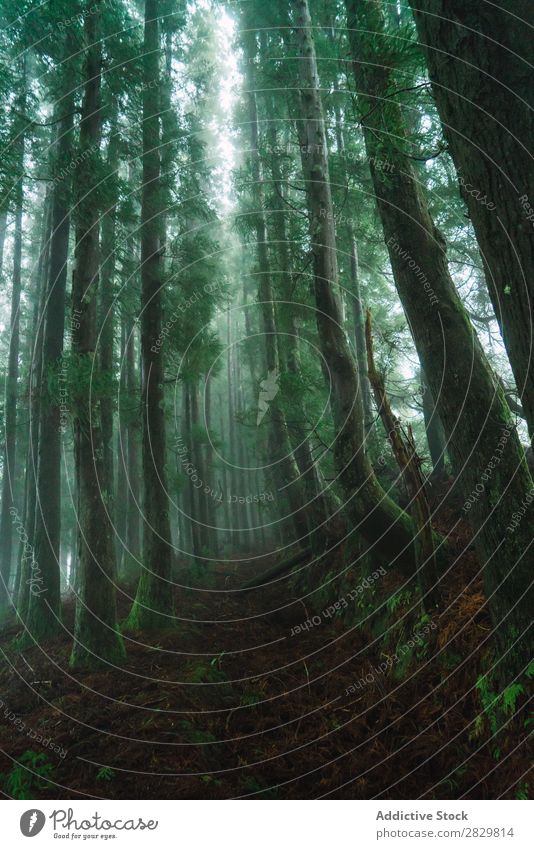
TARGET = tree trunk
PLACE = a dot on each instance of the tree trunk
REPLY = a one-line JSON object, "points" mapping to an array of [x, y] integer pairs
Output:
{"points": [[478, 59], [153, 606], [358, 320], [96, 637], [3, 231], [8, 510], [435, 435], [35, 347], [375, 515], [282, 462], [320, 504], [408, 462], [107, 298], [44, 614], [483, 444]]}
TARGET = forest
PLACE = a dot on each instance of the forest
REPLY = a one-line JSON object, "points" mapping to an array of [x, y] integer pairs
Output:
{"points": [[267, 399]]}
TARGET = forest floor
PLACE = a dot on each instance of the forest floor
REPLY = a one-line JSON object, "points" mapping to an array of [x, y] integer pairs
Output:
{"points": [[251, 710]]}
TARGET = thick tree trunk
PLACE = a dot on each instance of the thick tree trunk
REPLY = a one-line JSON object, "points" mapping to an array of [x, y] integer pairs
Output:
{"points": [[408, 462], [153, 606], [478, 58], [484, 448], [96, 637], [376, 516], [44, 611]]}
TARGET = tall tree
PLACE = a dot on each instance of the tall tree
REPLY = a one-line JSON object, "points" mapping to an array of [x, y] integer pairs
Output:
{"points": [[96, 637], [153, 605], [281, 458], [11, 394], [373, 513], [483, 442], [44, 603], [478, 56]]}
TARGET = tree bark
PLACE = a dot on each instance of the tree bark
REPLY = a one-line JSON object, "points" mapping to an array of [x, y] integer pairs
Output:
{"points": [[435, 435]]}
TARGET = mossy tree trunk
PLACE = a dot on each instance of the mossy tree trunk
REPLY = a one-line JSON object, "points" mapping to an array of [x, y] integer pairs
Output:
{"points": [[478, 56], [373, 513], [485, 451]]}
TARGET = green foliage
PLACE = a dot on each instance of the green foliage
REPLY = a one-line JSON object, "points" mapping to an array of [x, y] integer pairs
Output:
{"points": [[27, 776], [105, 773], [402, 598], [510, 696]]}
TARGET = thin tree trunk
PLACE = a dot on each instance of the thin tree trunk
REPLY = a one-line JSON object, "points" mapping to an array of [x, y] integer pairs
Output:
{"points": [[9, 471], [96, 637], [358, 319], [122, 491], [107, 305], [153, 606], [44, 613], [3, 231], [26, 550]]}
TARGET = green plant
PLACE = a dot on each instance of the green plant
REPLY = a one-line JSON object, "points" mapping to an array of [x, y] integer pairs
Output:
{"points": [[510, 696], [29, 774], [522, 791], [398, 599], [105, 773]]}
